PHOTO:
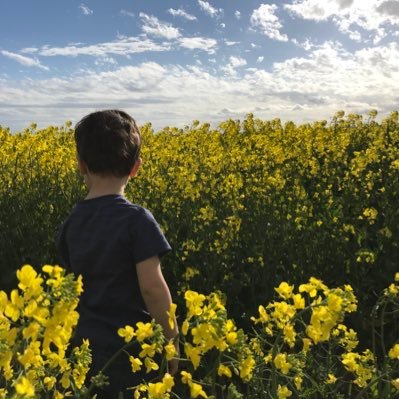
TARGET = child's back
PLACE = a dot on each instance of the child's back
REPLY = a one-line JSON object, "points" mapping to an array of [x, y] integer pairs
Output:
{"points": [[114, 244]]}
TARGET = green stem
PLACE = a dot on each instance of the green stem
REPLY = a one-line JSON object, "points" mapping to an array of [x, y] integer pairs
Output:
{"points": [[382, 330]]}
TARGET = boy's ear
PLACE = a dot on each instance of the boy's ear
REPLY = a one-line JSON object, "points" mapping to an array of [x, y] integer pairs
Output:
{"points": [[136, 167], [83, 169]]}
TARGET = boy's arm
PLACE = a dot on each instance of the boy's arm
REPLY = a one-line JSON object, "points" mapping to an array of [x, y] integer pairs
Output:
{"points": [[156, 295]]}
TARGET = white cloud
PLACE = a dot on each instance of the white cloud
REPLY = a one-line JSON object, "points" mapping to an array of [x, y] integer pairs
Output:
{"points": [[199, 43], [126, 13], [264, 19], [152, 26], [260, 59], [253, 45], [306, 45], [222, 25], [327, 79], [233, 64], [125, 46], [374, 16], [122, 46], [23, 60], [29, 50], [181, 13], [105, 61], [236, 62], [210, 10], [231, 43], [85, 10], [237, 14]]}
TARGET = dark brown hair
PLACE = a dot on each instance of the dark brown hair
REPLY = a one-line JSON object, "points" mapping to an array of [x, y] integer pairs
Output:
{"points": [[108, 142]]}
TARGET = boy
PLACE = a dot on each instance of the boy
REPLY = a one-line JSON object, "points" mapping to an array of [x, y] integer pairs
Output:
{"points": [[115, 245]]}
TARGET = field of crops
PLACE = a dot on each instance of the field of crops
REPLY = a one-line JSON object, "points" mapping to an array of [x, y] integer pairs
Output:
{"points": [[257, 212]]}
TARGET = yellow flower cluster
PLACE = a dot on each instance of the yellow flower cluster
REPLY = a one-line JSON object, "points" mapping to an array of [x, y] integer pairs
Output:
{"points": [[36, 324], [328, 307], [300, 330], [310, 319], [152, 341], [362, 365], [206, 329]]}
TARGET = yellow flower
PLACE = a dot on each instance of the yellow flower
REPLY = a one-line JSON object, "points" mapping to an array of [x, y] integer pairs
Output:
{"points": [[31, 355], [147, 350], [280, 361], [29, 281], [193, 353], [49, 382], [395, 383], [150, 364], [168, 382], [246, 367], [393, 289], [307, 343], [331, 379], [25, 388], [350, 361], [170, 350], [285, 290], [204, 334], [298, 381], [171, 315], [299, 301], [283, 392], [144, 331], [289, 335], [54, 271], [14, 307], [263, 316], [156, 390], [232, 338], [184, 328], [370, 214], [194, 303], [186, 377], [334, 302], [127, 333], [65, 379], [190, 273], [224, 371], [197, 390], [394, 352], [136, 363]]}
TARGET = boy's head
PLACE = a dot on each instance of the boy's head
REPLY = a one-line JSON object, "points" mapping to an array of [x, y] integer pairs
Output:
{"points": [[108, 142]]}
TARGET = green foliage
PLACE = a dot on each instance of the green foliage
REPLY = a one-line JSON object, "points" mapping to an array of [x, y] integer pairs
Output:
{"points": [[245, 205]]}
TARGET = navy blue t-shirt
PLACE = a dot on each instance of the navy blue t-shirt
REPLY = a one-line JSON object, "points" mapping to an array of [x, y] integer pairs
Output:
{"points": [[103, 239]]}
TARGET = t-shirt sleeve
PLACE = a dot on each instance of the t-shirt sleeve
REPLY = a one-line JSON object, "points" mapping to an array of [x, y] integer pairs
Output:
{"points": [[147, 238]]}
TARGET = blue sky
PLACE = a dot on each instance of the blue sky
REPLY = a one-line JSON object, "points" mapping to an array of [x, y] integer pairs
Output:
{"points": [[170, 62]]}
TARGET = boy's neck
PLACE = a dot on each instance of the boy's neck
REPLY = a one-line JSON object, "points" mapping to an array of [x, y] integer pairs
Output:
{"points": [[99, 186]]}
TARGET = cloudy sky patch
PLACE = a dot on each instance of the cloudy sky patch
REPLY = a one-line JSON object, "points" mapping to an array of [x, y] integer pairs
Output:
{"points": [[299, 60]]}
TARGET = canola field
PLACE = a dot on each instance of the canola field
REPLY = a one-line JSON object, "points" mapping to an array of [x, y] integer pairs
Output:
{"points": [[254, 210]]}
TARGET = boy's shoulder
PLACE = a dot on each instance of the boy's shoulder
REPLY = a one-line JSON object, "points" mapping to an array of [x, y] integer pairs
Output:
{"points": [[110, 206], [135, 210]]}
